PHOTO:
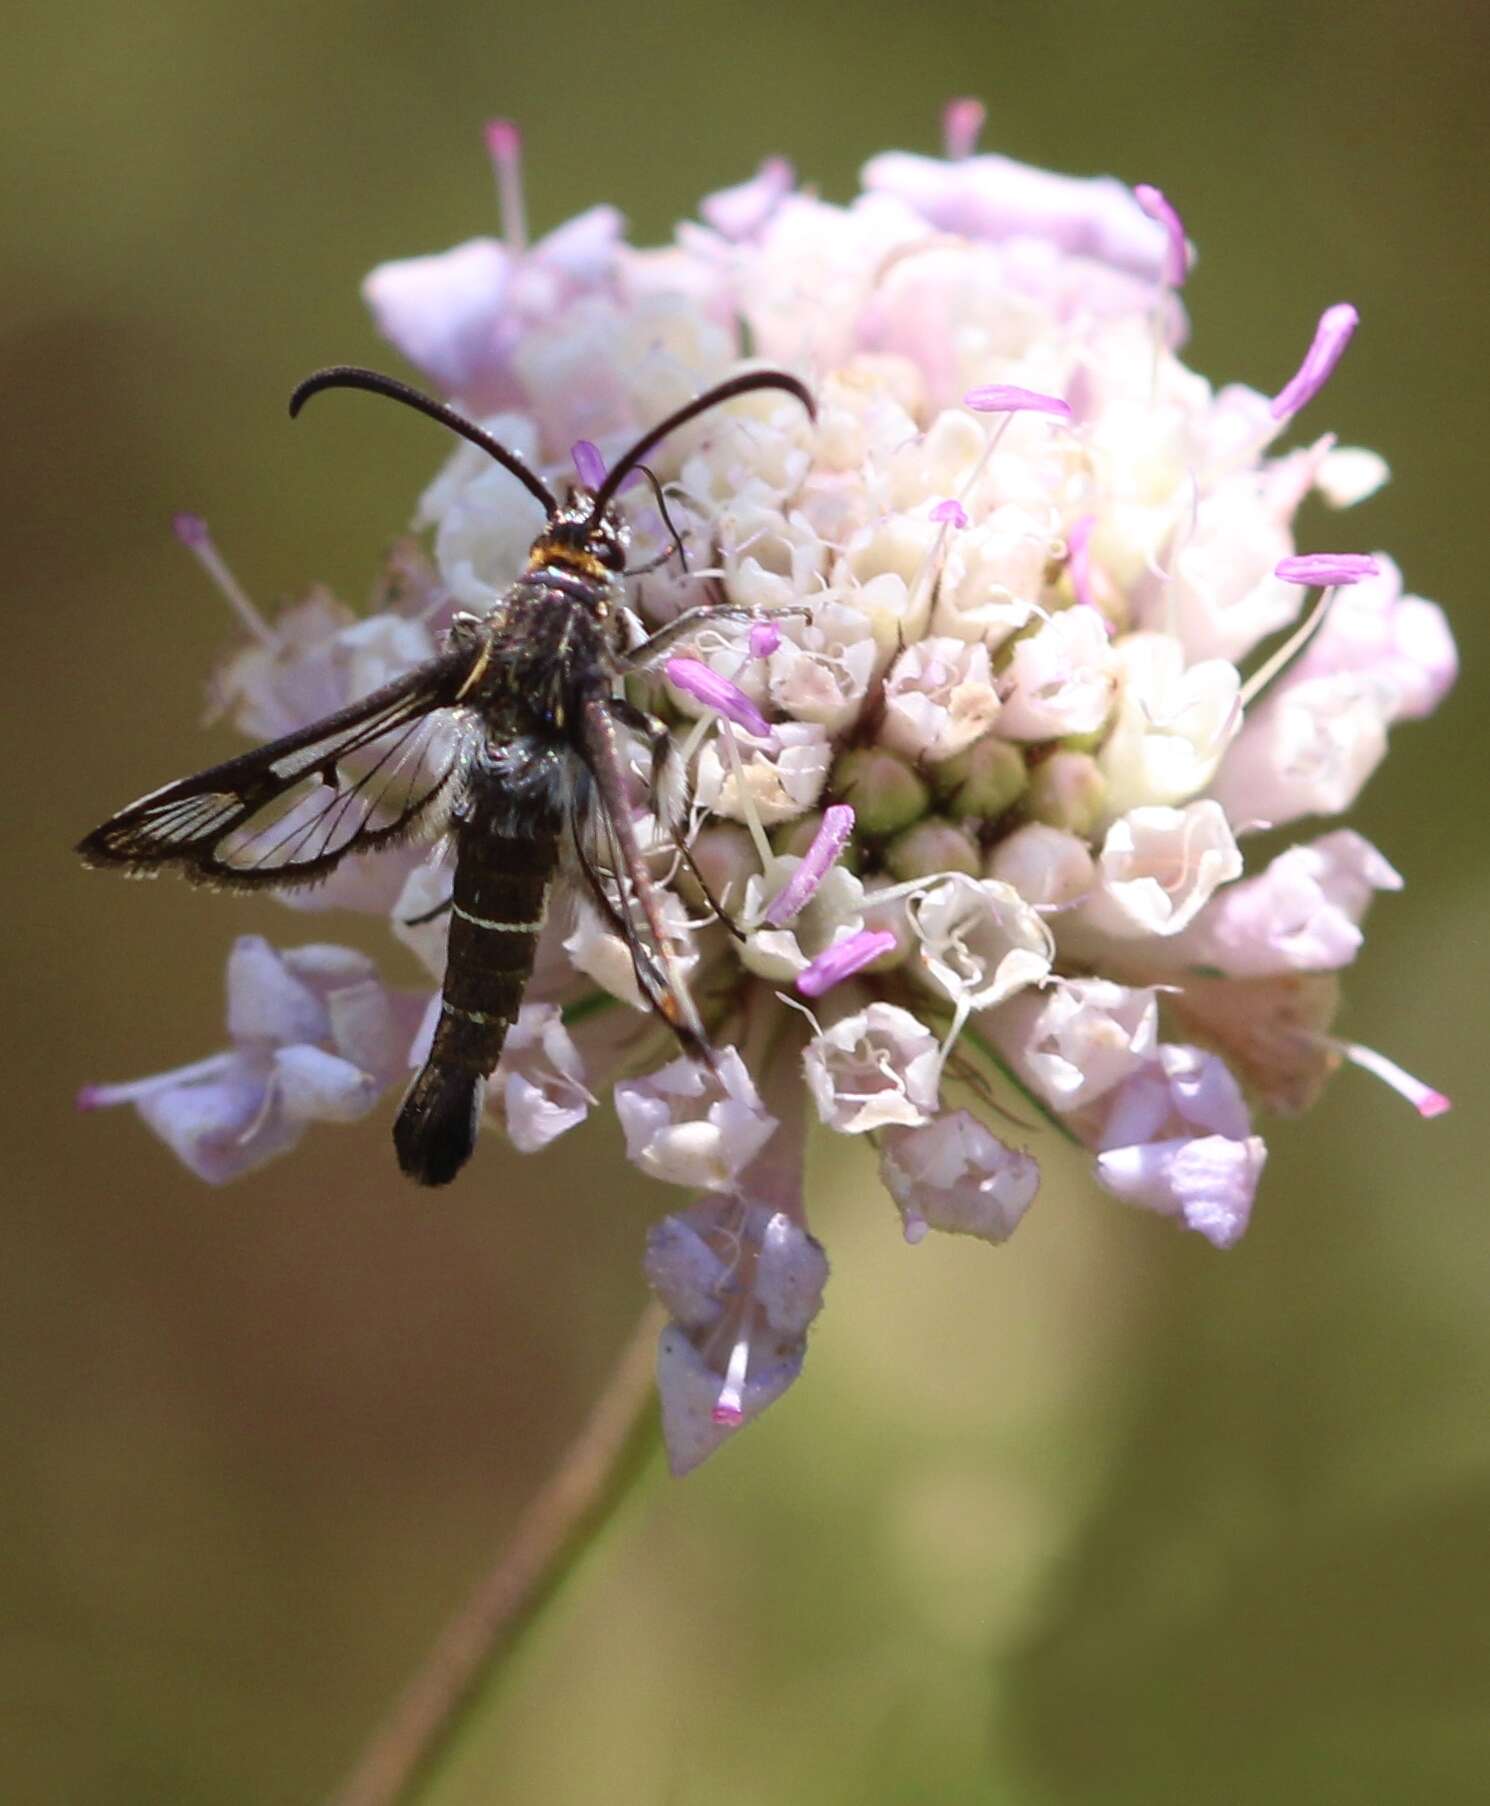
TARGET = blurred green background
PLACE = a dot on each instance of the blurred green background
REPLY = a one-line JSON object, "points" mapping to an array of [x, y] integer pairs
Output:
{"points": [[1103, 1517]]}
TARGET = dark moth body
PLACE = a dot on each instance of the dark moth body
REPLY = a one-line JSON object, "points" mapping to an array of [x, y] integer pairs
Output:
{"points": [[536, 667], [508, 741]]}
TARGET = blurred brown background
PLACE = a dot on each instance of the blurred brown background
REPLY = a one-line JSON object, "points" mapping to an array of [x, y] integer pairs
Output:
{"points": [[1104, 1517]]}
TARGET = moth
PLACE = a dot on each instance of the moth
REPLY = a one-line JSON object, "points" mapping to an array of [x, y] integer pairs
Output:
{"points": [[509, 740]]}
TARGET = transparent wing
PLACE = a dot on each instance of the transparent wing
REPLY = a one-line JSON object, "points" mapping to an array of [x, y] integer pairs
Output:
{"points": [[368, 776], [619, 880]]}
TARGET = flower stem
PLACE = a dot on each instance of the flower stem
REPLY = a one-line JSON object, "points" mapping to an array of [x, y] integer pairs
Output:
{"points": [[558, 1525]]}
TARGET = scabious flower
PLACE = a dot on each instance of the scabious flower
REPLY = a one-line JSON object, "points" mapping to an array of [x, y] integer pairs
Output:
{"points": [[1033, 656]]}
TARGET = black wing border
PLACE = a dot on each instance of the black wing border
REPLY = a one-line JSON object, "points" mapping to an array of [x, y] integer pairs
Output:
{"points": [[124, 842]]}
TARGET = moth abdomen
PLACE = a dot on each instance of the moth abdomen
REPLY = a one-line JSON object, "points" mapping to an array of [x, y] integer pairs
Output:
{"points": [[435, 1131], [496, 913]]}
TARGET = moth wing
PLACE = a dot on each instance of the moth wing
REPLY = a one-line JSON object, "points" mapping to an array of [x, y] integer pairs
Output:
{"points": [[615, 874], [368, 776]]}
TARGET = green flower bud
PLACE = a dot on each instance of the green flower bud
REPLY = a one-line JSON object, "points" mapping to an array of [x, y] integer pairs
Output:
{"points": [[886, 794], [888, 918], [984, 779], [1067, 790], [932, 845]]}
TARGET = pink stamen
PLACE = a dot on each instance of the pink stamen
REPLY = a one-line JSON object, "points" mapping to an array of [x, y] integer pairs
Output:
{"points": [[504, 144], [1423, 1098], [729, 1407], [950, 511], [589, 466], [764, 638], [843, 960], [1331, 336], [195, 535], [962, 124], [1327, 569], [831, 838], [705, 685], [1157, 205], [105, 1097], [1009, 398], [1312, 622], [1078, 545]]}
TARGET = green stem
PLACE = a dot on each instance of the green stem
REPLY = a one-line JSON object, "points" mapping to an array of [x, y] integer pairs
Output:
{"points": [[557, 1528], [584, 1007]]}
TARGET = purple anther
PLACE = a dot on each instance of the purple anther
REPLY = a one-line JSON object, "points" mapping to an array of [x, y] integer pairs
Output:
{"points": [[843, 959], [589, 466], [190, 529], [764, 638], [705, 685], [962, 123], [1157, 205], [1331, 336], [1007, 398], [1327, 570], [831, 838], [951, 511]]}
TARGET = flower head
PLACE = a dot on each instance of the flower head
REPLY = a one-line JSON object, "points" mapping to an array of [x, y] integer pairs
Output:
{"points": [[967, 764]]}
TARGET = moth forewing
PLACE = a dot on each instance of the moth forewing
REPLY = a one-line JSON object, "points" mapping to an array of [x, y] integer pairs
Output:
{"points": [[376, 772]]}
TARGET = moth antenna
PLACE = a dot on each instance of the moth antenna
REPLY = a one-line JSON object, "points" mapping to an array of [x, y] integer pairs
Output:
{"points": [[353, 376], [711, 398]]}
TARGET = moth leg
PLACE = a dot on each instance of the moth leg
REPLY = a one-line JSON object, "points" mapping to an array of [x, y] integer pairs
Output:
{"points": [[648, 978], [659, 738], [603, 757], [429, 915], [660, 644]]}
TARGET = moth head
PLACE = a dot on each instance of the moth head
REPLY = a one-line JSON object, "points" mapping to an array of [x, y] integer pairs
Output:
{"points": [[577, 537]]}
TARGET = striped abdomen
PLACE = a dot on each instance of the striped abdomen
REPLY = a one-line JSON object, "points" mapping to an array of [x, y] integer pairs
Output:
{"points": [[496, 911]]}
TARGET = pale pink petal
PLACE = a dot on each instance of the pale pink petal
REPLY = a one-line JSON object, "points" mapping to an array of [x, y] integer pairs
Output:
{"points": [[442, 311], [315, 1086], [953, 1175], [996, 198], [222, 1128], [691, 1126]]}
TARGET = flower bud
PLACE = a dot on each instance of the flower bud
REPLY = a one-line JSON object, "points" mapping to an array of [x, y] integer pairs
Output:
{"points": [[931, 846], [984, 779], [726, 858], [887, 795], [889, 918], [1050, 868], [1067, 791]]}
